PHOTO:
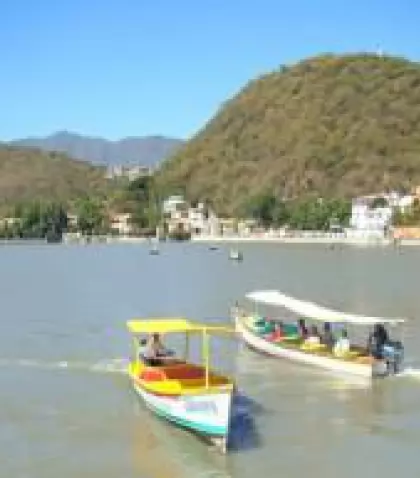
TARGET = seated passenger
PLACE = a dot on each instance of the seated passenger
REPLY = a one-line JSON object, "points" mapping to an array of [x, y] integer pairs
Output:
{"points": [[142, 348], [278, 333], [342, 346], [302, 330], [313, 337], [327, 337]]}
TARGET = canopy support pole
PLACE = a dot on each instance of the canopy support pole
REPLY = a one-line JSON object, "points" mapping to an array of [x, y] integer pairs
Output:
{"points": [[206, 356], [187, 346], [136, 351]]}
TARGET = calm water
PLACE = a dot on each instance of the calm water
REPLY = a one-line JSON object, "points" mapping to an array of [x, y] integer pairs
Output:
{"points": [[66, 408]]}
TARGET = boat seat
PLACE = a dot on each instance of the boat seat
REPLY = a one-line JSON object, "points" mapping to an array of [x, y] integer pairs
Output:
{"points": [[313, 347], [292, 339], [152, 374], [259, 325], [291, 330], [184, 372]]}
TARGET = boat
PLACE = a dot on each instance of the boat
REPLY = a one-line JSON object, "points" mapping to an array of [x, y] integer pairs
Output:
{"points": [[235, 255], [186, 394], [154, 246], [257, 332], [154, 250]]}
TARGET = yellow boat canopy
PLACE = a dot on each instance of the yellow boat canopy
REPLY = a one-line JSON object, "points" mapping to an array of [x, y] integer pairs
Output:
{"points": [[167, 325]]}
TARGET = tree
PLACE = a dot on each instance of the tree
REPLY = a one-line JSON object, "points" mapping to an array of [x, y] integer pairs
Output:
{"points": [[262, 208], [143, 202], [407, 218], [39, 219], [316, 214], [90, 216]]}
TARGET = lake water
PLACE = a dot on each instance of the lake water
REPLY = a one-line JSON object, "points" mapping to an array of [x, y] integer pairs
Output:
{"points": [[66, 407]]}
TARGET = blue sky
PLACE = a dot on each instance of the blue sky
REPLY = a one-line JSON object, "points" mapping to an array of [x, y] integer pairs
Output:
{"points": [[116, 68]]}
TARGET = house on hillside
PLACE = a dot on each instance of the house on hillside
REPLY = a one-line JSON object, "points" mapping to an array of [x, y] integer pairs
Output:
{"points": [[181, 216], [120, 223], [371, 216], [173, 205], [129, 172], [199, 220], [9, 221]]}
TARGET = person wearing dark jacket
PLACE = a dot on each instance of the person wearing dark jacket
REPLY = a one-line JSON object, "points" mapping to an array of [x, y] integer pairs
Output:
{"points": [[327, 337], [377, 340]]}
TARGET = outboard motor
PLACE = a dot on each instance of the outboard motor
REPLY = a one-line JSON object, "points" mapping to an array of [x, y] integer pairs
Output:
{"points": [[394, 356], [398, 356]]}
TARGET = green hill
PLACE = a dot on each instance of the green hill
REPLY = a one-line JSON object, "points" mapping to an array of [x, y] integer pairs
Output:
{"points": [[331, 126], [27, 175]]}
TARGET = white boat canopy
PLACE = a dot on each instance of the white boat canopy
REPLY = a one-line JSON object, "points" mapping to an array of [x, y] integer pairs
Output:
{"points": [[313, 311]]}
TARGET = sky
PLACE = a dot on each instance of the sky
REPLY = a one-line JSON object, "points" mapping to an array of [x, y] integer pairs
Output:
{"points": [[117, 68]]}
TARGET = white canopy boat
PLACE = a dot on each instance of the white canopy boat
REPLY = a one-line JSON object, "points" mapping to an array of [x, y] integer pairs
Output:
{"points": [[258, 333]]}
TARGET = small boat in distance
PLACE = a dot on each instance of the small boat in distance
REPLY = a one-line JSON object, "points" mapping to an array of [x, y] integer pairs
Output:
{"points": [[154, 250], [235, 255], [279, 337], [154, 246], [189, 395]]}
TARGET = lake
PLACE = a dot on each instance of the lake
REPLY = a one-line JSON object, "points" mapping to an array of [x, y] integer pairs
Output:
{"points": [[67, 409]]}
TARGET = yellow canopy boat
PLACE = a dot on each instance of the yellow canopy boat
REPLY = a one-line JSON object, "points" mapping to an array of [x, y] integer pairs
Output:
{"points": [[186, 394]]}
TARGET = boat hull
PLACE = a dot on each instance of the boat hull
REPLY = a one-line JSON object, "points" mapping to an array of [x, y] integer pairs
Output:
{"points": [[206, 414], [276, 350]]}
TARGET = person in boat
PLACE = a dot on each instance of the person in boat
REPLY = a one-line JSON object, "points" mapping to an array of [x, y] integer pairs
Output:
{"points": [[377, 340], [278, 332], [313, 337], [327, 337], [302, 330], [381, 347], [342, 346], [155, 352], [142, 347], [236, 310]]}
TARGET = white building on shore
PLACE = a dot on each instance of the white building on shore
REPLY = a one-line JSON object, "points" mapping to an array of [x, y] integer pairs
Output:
{"points": [[200, 220], [181, 216], [371, 216]]}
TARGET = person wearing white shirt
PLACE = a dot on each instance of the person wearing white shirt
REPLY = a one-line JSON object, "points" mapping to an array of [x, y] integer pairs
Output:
{"points": [[342, 346]]}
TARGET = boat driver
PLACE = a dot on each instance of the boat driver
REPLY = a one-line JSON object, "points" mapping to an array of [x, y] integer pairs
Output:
{"points": [[376, 341], [155, 352], [381, 347]]}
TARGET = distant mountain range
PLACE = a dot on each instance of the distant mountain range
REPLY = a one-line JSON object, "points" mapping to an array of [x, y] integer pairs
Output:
{"points": [[147, 151]]}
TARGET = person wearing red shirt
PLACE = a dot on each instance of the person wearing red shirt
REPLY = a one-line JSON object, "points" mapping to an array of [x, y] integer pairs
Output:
{"points": [[277, 333]]}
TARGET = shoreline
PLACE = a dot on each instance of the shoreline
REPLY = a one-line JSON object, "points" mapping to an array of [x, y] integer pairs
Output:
{"points": [[234, 240], [362, 242]]}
